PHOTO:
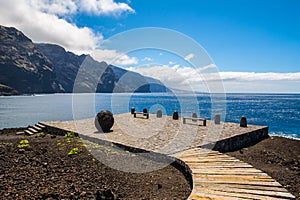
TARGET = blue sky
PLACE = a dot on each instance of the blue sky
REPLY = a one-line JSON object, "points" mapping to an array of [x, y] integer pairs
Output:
{"points": [[239, 34], [257, 40]]}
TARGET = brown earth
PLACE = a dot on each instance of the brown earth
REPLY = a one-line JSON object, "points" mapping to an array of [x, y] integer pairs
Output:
{"points": [[44, 170], [277, 156]]}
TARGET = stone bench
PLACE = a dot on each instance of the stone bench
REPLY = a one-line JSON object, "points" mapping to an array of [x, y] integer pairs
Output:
{"points": [[141, 113], [194, 119]]}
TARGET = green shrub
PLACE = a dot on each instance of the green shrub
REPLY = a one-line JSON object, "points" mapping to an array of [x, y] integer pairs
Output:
{"points": [[41, 134], [70, 134], [23, 144], [73, 151]]}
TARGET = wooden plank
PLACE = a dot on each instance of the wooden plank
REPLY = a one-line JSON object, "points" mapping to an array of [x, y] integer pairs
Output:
{"points": [[269, 193], [201, 154], [229, 173], [237, 194], [232, 182], [234, 177], [205, 196], [215, 165], [245, 186], [208, 158], [225, 169]]}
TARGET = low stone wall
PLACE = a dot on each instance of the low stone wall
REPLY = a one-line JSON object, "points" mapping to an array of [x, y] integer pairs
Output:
{"points": [[240, 141], [55, 130]]}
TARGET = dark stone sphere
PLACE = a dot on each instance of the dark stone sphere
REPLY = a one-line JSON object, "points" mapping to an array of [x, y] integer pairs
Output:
{"points": [[104, 121]]}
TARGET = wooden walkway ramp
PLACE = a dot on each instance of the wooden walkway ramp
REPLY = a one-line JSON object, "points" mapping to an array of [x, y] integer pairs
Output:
{"points": [[219, 176]]}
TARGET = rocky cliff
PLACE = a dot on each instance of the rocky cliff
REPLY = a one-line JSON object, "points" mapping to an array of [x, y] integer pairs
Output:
{"points": [[28, 68], [22, 66]]}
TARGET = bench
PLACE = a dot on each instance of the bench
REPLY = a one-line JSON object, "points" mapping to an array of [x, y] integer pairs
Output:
{"points": [[141, 113], [195, 119]]}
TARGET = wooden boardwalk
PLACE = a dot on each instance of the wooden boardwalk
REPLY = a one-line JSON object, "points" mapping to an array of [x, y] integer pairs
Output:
{"points": [[219, 176]]}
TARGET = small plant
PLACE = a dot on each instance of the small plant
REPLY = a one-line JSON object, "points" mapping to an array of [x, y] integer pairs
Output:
{"points": [[70, 134], [73, 151], [41, 134], [23, 144]]}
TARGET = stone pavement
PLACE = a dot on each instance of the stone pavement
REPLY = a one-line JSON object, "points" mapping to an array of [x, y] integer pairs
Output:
{"points": [[162, 135]]}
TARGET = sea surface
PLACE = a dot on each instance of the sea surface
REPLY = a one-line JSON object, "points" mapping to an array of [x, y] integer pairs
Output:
{"points": [[281, 112]]}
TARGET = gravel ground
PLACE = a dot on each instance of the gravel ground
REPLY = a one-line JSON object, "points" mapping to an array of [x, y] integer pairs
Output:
{"points": [[45, 170]]}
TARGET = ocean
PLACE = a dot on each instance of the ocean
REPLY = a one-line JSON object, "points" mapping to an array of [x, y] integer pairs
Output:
{"points": [[281, 112]]}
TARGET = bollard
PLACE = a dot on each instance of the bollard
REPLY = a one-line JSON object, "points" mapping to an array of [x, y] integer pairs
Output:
{"points": [[175, 115], [243, 122], [194, 115], [159, 114], [132, 110], [145, 111], [217, 119]]}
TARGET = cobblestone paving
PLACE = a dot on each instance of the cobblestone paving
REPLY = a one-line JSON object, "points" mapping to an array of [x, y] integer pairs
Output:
{"points": [[163, 135]]}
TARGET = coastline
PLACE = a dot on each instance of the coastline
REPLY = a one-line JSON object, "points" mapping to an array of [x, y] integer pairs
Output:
{"points": [[277, 156]]}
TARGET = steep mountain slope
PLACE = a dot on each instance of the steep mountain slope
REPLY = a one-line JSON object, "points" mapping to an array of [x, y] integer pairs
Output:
{"points": [[112, 78], [22, 66], [66, 64], [29, 68]]}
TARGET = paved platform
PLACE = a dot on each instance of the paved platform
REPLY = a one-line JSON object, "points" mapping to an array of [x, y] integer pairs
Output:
{"points": [[168, 136], [214, 175]]}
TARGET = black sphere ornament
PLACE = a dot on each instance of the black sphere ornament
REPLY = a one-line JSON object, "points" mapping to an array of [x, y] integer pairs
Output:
{"points": [[104, 121]]}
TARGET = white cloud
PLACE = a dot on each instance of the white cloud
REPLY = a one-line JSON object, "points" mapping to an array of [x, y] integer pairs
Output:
{"points": [[104, 7], [186, 78], [45, 21], [147, 59], [56, 7], [253, 82], [175, 77], [254, 76], [113, 57], [189, 57]]}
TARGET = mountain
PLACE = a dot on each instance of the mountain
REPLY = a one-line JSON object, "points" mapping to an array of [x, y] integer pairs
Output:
{"points": [[112, 78], [46, 68], [22, 66], [66, 64]]}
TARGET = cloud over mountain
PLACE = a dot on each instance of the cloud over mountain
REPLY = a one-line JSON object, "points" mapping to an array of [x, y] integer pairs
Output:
{"points": [[49, 21], [201, 79]]}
